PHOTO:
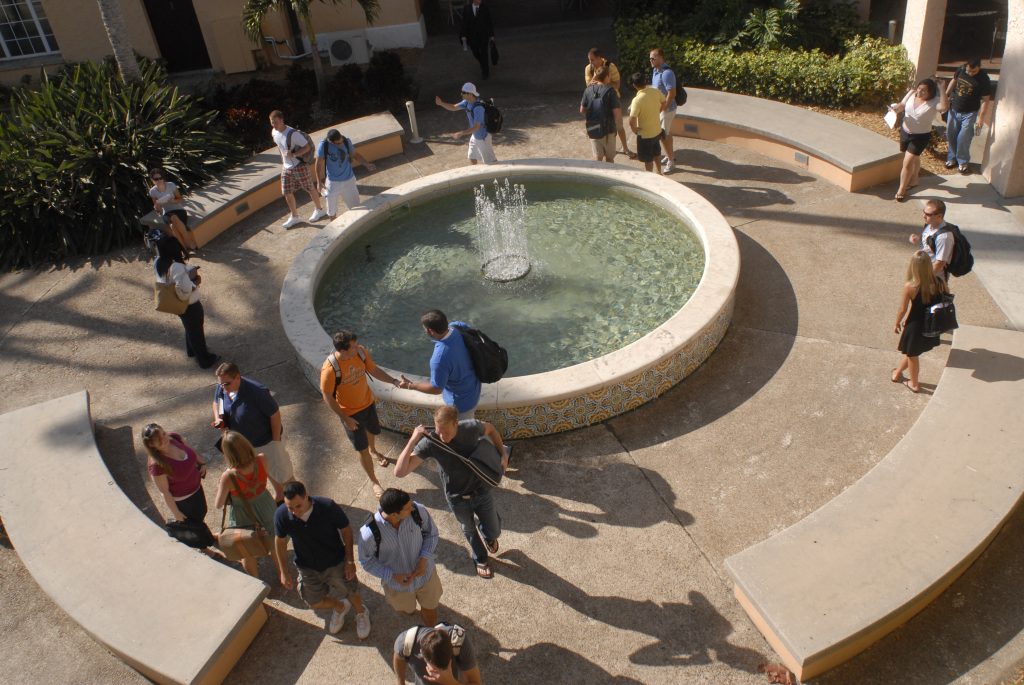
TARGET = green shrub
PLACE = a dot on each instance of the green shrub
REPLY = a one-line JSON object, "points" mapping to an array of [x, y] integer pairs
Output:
{"points": [[345, 96], [246, 106], [386, 81], [74, 156], [870, 71]]}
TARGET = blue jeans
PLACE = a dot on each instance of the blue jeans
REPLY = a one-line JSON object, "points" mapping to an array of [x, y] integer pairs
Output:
{"points": [[480, 504], [959, 134]]}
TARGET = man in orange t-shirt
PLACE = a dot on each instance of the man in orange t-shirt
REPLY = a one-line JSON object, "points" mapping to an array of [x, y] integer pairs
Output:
{"points": [[345, 390]]}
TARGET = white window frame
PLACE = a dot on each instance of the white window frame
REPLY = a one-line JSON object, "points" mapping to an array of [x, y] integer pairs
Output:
{"points": [[31, 5]]}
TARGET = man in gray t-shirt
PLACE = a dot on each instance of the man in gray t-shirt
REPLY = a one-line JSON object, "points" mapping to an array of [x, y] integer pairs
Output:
{"points": [[936, 242], [443, 654]]}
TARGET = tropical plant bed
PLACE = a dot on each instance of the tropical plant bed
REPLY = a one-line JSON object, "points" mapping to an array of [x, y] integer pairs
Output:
{"points": [[933, 160]]}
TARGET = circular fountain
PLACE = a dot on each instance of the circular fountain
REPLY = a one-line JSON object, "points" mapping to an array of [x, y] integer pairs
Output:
{"points": [[656, 305]]}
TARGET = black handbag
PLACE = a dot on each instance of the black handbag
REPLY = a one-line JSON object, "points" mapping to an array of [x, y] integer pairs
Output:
{"points": [[940, 317], [494, 53], [192, 533]]}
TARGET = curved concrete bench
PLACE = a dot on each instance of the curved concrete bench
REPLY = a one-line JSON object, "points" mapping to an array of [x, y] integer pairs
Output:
{"points": [[256, 183], [842, 153], [166, 610], [829, 586]]}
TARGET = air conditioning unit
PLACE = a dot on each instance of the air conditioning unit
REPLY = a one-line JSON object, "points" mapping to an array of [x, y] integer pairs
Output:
{"points": [[345, 47]]}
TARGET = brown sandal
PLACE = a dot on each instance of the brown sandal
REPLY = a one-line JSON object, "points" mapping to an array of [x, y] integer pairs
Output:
{"points": [[382, 461], [484, 571]]}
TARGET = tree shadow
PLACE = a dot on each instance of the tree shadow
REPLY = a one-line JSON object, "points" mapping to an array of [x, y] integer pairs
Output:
{"points": [[685, 633]]}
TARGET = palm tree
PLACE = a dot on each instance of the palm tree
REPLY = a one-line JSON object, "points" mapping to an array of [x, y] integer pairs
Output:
{"points": [[254, 12], [117, 33]]}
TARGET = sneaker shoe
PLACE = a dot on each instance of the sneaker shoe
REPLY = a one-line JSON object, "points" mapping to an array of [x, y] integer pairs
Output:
{"points": [[337, 621], [291, 221], [950, 164], [964, 169], [363, 624], [664, 160], [668, 167], [317, 215]]}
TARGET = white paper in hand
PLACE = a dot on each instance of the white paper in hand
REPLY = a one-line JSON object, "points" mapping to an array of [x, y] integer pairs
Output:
{"points": [[890, 118]]}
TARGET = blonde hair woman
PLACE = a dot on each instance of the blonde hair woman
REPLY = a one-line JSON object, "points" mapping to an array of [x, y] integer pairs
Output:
{"points": [[246, 478], [921, 289]]}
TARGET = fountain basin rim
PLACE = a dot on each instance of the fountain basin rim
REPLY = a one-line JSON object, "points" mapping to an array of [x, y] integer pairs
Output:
{"points": [[706, 313]]}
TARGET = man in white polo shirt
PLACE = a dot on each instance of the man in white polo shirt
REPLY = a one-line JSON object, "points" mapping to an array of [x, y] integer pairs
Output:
{"points": [[295, 173]]}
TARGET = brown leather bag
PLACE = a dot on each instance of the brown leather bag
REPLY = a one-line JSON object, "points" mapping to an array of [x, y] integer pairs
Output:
{"points": [[240, 542]]}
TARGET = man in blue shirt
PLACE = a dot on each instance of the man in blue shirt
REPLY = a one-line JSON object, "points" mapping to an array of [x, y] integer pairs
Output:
{"points": [[451, 369], [664, 79], [334, 175], [322, 539], [246, 407], [480, 147], [397, 545]]}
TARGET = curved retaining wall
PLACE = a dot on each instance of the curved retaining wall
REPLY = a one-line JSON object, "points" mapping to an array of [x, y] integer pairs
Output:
{"points": [[555, 401]]}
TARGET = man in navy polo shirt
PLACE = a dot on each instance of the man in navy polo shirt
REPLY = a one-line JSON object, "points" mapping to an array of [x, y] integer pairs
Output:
{"points": [[334, 175], [451, 370], [246, 407], [324, 556]]}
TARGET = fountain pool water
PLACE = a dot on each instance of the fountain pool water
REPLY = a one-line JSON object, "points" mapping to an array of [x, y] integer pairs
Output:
{"points": [[631, 287]]}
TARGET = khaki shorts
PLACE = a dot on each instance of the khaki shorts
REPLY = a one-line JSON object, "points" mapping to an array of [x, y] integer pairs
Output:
{"points": [[428, 596], [279, 464], [604, 148], [314, 586]]}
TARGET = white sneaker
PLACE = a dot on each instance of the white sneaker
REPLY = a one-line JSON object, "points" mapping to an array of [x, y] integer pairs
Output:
{"points": [[363, 624], [317, 215], [667, 167], [664, 160], [291, 221], [337, 621]]}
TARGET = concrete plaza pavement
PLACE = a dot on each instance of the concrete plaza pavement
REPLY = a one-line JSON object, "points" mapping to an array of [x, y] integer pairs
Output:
{"points": [[612, 563]]}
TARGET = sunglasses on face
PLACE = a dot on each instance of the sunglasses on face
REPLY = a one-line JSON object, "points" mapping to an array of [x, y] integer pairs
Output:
{"points": [[931, 213], [150, 430], [157, 178]]}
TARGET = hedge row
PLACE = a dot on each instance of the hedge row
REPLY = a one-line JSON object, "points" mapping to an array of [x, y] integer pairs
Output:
{"points": [[869, 71]]}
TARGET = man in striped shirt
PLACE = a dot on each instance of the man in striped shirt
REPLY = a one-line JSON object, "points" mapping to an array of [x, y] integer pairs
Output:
{"points": [[397, 545]]}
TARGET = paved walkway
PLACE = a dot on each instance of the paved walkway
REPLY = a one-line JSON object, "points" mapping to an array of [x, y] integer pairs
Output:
{"points": [[616, 534]]}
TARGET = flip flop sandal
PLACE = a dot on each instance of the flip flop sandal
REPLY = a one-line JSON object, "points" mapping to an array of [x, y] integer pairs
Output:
{"points": [[382, 461], [900, 198], [896, 379], [912, 388], [484, 571], [377, 491], [492, 546]]}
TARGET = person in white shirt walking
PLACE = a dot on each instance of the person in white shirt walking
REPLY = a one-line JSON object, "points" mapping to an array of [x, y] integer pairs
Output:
{"points": [[295, 173]]}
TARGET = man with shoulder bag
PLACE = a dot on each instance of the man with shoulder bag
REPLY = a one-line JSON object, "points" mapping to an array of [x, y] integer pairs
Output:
{"points": [[471, 458], [600, 105]]}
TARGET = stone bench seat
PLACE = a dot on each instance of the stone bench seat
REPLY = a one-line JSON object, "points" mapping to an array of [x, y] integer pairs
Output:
{"points": [[169, 612], [847, 155], [256, 183], [827, 587]]}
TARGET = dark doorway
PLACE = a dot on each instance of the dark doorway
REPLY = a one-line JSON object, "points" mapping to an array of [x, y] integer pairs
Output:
{"points": [[178, 34]]}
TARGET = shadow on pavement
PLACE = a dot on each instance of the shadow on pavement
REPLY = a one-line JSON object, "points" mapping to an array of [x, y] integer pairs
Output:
{"points": [[718, 168], [987, 365], [686, 633]]}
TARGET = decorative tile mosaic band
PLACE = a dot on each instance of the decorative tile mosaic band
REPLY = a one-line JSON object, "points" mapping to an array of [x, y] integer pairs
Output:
{"points": [[588, 408]]}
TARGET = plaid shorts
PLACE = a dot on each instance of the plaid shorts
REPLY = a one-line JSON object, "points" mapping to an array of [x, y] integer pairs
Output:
{"points": [[296, 178]]}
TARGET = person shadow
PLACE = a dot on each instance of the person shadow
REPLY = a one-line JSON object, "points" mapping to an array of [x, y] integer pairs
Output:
{"points": [[987, 365], [685, 633]]}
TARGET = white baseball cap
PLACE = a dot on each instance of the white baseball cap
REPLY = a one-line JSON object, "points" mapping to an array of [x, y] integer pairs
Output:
{"points": [[468, 87]]}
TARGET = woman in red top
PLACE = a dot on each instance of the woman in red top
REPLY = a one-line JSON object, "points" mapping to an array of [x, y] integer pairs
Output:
{"points": [[177, 472], [246, 479]]}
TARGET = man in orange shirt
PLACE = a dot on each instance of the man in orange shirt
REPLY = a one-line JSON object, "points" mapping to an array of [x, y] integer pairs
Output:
{"points": [[345, 390]]}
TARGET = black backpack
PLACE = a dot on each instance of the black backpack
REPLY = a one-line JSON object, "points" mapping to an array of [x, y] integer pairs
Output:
{"points": [[493, 118], [371, 523], [680, 95], [962, 261], [490, 360], [600, 120]]}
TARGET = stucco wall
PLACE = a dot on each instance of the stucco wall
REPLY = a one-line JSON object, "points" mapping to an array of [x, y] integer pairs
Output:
{"points": [[79, 30]]}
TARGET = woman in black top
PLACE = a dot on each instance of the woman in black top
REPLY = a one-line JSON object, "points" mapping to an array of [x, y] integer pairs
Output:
{"points": [[921, 289]]}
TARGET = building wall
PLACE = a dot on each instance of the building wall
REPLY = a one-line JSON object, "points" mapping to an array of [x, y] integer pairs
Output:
{"points": [[79, 30]]}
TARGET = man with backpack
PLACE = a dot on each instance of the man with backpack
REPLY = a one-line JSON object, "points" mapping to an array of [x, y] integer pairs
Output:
{"points": [[480, 145], [664, 79], [438, 654], [601, 107], [296, 159], [467, 489], [596, 60], [945, 244], [451, 368], [396, 544], [347, 393], [334, 173]]}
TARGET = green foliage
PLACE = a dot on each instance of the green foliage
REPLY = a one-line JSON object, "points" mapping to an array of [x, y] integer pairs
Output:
{"points": [[827, 25], [246, 106], [870, 71], [768, 28], [386, 81], [74, 156]]}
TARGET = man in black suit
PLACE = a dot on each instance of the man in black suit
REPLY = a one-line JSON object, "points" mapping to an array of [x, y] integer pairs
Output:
{"points": [[478, 33]]}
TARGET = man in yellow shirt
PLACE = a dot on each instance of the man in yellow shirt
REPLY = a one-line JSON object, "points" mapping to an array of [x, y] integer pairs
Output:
{"points": [[645, 121], [345, 390], [595, 60]]}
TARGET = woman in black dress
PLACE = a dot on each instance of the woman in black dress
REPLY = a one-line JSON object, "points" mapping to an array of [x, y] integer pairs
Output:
{"points": [[921, 289]]}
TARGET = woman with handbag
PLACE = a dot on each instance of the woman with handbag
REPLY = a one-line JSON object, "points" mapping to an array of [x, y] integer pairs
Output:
{"points": [[921, 290], [918, 107], [242, 493], [177, 473], [170, 269]]}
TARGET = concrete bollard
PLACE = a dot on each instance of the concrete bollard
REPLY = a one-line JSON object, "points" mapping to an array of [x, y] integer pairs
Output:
{"points": [[410, 108], [892, 32]]}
